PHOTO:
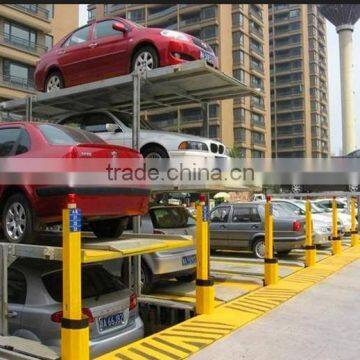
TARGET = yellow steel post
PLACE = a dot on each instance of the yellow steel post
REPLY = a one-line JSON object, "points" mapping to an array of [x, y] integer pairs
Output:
{"points": [[270, 262], [205, 292], [74, 325], [310, 248], [336, 239], [354, 232]]}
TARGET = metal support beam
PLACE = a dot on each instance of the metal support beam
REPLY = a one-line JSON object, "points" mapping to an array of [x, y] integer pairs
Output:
{"points": [[4, 290], [29, 108], [136, 146], [205, 114]]}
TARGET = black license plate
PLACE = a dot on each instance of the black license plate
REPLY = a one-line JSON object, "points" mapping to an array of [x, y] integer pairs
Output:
{"points": [[111, 321], [189, 260]]}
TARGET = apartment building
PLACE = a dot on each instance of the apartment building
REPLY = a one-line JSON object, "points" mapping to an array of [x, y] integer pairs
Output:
{"points": [[26, 32], [299, 87], [239, 35]]}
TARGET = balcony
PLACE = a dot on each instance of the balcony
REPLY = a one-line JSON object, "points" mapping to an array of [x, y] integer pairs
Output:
{"points": [[17, 82], [34, 9], [257, 50], [256, 32], [258, 142], [257, 105], [22, 44], [161, 13], [259, 124], [256, 13], [257, 67]]}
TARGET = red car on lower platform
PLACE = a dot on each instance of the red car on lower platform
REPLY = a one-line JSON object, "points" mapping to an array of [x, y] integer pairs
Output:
{"points": [[113, 47], [26, 207]]}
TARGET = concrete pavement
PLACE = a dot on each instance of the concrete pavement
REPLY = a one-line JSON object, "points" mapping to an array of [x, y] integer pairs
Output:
{"points": [[323, 322]]}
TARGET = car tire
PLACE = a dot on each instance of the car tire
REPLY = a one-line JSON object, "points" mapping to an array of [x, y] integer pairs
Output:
{"points": [[149, 58], [147, 283], [54, 82], [258, 248], [186, 278], [154, 152], [110, 228], [18, 212]]}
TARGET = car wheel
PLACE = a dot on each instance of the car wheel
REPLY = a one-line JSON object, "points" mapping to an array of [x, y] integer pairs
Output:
{"points": [[259, 248], [54, 82], [145, 59], [17, 220], [186, 278], [110, 228], [146, 279], [154, 152]]}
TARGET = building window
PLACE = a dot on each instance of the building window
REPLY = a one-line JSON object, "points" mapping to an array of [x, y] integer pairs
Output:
{"points": [[239, 114], [256, 82], [238, 57], [19, 35], [239, 74], [214, 131], [257, 154], [237, 19], [257, 119], [136, 15], [256, 46], [91, 14], [208, 13], [214, 110], [49, 42], [238, 38], [239, 134], [209, 32], [18, 74], [107, 8]]}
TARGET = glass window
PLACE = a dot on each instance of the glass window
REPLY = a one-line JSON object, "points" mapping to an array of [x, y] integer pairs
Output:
{"points": [[104, 28], [136, 15], [238, 57], [238, 38], [96, 123], [241, 214], [8, 138], [49, 41], [220, 214], [20, 35], [237, 19], [16, 287], [96, 281], [91, 14], [168, 217], [24, 143], [63, 135], [18, 73], [78, 37]]}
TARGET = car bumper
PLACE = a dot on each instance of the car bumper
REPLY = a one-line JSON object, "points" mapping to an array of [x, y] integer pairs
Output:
{"points": [[195, 154], [110, 202], [135, 332], [321, 238], [171, 262], [289, 243]]}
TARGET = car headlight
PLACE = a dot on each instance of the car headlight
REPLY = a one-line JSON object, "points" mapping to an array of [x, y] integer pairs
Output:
{"points": [[175, 35], [193, 145]]}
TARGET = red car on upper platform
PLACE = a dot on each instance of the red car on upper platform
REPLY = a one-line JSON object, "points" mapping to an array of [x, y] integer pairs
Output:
{"points": [[113, 47], [26, 207]]}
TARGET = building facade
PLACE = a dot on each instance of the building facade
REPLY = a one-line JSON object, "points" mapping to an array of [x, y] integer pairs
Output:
{"points": [[299, 86], [26, 32], [239, 35]]}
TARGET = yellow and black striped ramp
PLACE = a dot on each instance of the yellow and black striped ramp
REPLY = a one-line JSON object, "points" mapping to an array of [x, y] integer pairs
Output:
{"points": [[184, 339]]}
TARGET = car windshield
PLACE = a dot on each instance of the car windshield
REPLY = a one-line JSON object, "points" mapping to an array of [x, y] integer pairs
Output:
{"points": [[64, 135], [323, 207], [128, 121], [96, 281], [171, 218]]}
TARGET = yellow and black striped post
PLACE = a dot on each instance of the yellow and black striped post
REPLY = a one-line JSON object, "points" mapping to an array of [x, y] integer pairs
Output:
{"points": [[310, 248], [205, 292], [336, 239], [354, 231], [271, 263], [74, 325]]}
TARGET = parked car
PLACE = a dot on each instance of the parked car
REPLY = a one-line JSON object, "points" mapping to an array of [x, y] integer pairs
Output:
{"points": [[26, 208], [177, 263], [240, 226], [116, 128], [343, 215], [112, 47], [35, 310], [322, 224]]}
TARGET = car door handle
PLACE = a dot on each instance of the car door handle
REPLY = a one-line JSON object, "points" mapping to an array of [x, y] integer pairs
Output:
{"points": [[12, 314], [61, 52], [254, 227], [93, 45]]}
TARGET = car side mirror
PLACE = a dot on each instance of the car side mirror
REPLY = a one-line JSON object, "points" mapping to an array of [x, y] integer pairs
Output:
{"points": [[112, 128], [118, 26]]}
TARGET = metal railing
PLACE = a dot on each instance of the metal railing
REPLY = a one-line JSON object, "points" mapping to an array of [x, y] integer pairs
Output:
{"points": [[17, 82], [34, 9], [157, 14], [6, 38]]}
